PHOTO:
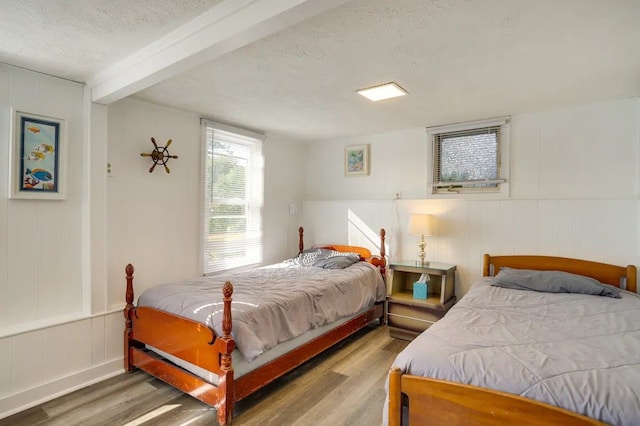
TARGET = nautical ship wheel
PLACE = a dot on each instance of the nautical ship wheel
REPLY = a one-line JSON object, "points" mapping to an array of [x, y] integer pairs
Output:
{"points": [[159, 155]]}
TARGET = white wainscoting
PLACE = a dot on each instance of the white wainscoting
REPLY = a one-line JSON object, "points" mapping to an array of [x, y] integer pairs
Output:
{"points": [[599, 230], [39, 365]]}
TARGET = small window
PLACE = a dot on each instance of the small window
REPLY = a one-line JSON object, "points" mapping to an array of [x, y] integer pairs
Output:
{"points": [[470, 157], [233, 198]]}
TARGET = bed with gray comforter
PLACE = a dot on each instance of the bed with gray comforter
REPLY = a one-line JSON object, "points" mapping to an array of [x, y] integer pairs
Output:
{"points": [[273, 304], [576, 351]]}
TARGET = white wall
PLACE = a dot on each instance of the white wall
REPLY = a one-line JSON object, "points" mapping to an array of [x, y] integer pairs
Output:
{"points": [[284, 184], [154, 218], [40, 240], [55, 334], [574, 192]]}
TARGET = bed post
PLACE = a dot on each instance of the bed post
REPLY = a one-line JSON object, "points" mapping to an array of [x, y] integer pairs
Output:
{"points": [[300, 239], [383, 253], [486, 265], [225, 382], [383, 271], [631, 279], [128, 311], [395, 409]]}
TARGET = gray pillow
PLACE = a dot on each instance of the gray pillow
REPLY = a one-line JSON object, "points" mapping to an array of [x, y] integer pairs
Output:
{"points": [[552, 282], [324, 258], [311, 256], [337, 262]]}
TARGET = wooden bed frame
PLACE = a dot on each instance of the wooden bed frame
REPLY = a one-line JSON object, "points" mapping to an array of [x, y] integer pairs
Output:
{"points": [[437, 402], [199, 345]]}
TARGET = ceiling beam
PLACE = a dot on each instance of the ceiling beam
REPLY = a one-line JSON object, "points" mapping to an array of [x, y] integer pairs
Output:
{"points": [[227, 26]]}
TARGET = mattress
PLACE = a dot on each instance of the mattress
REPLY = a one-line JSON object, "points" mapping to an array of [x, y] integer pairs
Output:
{"points": [[272, 304], [578, 352]]}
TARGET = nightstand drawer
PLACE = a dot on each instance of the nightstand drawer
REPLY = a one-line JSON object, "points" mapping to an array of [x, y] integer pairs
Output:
{"points": [[408, 323], [412, 317]]}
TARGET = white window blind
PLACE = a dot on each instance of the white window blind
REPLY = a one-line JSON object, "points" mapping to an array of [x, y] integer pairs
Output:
{"points": [[469, 157], [233, 197]]}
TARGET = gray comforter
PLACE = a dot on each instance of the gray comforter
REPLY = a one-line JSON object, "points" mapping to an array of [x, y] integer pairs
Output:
{"points": [[272, 304], [579, 352]]}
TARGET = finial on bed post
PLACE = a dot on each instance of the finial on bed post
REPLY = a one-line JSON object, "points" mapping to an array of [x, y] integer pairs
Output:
{"points": [[227, 291], [129, 270], [383, 252], [128, 311], [300, 239]]}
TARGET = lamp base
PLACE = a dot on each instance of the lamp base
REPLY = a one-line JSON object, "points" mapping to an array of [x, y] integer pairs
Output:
{"points": [[421, 254]]}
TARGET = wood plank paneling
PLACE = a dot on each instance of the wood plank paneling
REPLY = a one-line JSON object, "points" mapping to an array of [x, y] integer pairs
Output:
{"points": [[97, 340], [548, 227], [40, 240], [5, 367], [526, 226], [5, 120], [114, 326], [78, 345], [27, 360], [567, 228], [54, 352]]}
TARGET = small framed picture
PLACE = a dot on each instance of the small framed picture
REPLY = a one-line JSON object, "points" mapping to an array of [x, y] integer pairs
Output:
{"points": [[37, 157], [356, 160]]}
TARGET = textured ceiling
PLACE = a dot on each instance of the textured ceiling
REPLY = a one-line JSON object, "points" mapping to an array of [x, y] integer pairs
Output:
{"points": [[76, 39], [458, 59]]}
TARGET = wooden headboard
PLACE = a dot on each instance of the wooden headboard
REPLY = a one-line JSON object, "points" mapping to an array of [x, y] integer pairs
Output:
{"points": [[619, 276], [365, 254]]}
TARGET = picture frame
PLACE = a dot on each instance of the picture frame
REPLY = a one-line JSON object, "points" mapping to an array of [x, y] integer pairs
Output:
{"points": [[356, 160], [38, 154]]}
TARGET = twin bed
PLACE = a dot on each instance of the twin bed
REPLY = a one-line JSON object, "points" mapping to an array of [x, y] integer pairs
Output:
{"points": [[500, 356], [284, 314], [515, 356]]}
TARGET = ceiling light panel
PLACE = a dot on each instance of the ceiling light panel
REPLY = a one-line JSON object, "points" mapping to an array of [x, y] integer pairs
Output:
{"points": [[383, 91]]}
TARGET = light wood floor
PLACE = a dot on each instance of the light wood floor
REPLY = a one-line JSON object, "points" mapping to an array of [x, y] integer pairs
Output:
{"points": [[343, 386]]}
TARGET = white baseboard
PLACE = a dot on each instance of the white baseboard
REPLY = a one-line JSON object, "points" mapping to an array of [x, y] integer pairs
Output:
{"points": [[20, 401]]}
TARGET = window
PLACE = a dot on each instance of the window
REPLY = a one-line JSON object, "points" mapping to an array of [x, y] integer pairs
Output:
{"points": [[470, 157], [233, 189]]}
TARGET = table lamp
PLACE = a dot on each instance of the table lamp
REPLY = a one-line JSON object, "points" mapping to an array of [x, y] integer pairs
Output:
{"points": [[421, 225]]}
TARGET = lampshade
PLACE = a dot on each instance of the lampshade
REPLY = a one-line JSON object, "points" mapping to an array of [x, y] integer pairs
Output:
{"points": [[420, 224]]}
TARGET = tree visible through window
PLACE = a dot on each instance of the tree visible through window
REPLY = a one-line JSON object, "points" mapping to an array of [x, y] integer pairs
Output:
{"points": [[233, 200]]}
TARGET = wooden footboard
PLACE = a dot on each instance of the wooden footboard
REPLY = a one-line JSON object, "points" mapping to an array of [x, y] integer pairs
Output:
{"points": [[186, 339], [194, 342], [436, 402]]}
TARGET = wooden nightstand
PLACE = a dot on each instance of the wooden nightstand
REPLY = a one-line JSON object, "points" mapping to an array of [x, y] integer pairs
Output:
{"points": [[407, 317]]}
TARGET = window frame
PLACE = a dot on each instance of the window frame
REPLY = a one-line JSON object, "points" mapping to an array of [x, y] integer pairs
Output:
{"points": [[254, 217], [467, 187]]}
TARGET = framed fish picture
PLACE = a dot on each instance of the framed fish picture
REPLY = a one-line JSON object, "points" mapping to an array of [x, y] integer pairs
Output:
{"points": [[38, 157], [356, 160]]}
